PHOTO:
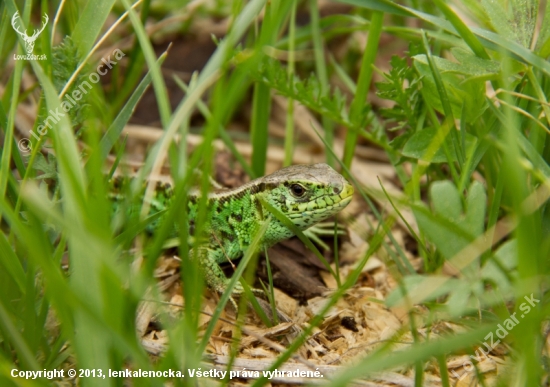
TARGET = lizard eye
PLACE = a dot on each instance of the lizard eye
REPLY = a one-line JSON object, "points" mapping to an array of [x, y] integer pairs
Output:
{"points": [[297, 190]]}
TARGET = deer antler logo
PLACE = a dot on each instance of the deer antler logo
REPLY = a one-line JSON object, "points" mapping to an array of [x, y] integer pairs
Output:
{"points": [[29, 40]]}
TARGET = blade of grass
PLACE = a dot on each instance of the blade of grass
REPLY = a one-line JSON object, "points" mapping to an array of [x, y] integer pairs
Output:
{"points": [[249, 296], [11, 263], [72, 300], [90, 23], [411, 230], [373, 208], [275, 15], [14, 98], [534, 157], [289, 126], [363, 84], [118, 157], [89, 54], [321, 70], [208, 76], [489, 39], [116, 128], [259, 125], [18, 341], [222, 132], [271, 291], [161, 92], [528, 236], [449, 122], [469, 38], [134, 72]]}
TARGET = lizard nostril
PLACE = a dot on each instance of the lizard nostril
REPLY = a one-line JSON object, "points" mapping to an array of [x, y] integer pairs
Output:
{"points": [[337, 190]]}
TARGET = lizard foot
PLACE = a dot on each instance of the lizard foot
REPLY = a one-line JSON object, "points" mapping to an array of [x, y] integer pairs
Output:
{"points": [[323, 229]]}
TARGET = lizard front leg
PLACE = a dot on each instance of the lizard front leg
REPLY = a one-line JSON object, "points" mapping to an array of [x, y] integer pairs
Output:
{"points": [[213, 274], [215, 277]]}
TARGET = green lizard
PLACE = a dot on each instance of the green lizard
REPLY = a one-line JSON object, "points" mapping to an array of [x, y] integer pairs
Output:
{"points": [[306, 194]]}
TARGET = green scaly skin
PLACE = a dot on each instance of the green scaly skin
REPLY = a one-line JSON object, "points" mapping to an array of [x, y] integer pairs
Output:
{"points": [[306, 194]]}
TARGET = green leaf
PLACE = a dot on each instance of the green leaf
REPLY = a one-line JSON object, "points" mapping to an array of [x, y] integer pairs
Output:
{"points": [[469, 64], [307, 92], [476, 207], [431, 286], [513, 19], [500, 269], [402, 85], [446, 200], [464, 82], [451, 227], [460, 297], [47, 167], [416, 146]]}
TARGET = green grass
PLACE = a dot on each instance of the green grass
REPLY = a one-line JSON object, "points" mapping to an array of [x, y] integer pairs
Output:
{"points": [[472, 164]]}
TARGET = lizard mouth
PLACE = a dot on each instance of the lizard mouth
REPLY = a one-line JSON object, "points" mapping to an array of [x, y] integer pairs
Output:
{"points": [[345, 198], [333, 204], [344, 195], [347, 192]]}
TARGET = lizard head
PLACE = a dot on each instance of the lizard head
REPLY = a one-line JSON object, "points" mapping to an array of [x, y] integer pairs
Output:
{"points": [[308, 194]]}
